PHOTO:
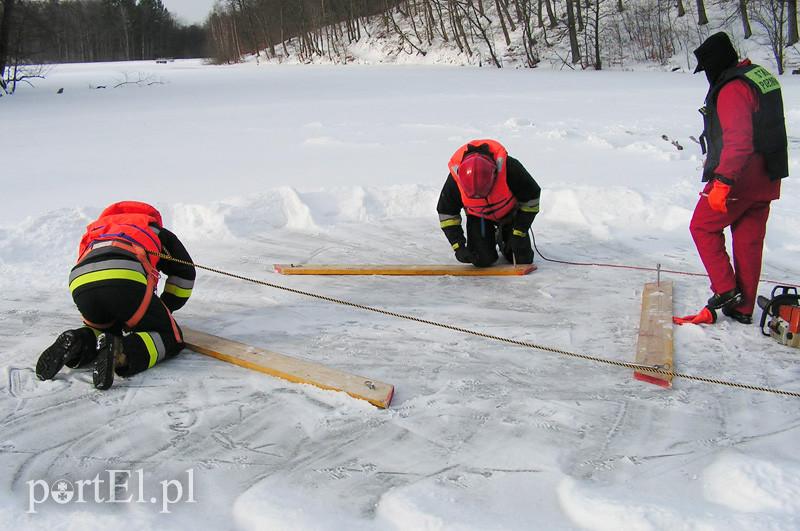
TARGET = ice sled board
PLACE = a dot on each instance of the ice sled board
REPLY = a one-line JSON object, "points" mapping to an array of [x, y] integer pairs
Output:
{"points": [[405, 270], [655, 345], [289, 368]]}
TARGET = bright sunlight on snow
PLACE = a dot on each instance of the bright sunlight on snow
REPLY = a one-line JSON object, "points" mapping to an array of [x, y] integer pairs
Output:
{"points": [[256, 165]]}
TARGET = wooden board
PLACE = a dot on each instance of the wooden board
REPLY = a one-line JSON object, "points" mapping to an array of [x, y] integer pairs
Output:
{"points": [[405, 270], [288, 368], [655, 345]]}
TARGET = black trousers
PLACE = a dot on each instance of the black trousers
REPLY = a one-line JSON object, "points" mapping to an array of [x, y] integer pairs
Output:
{"points": [[484, 236], [114, 301]]}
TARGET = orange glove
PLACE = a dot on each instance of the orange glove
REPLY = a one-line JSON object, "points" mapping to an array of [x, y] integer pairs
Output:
{"points": [[706, 316], [718, 197]]}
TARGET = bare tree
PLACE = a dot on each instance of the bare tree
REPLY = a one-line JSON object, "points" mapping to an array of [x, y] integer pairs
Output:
{"points": [[702, 19], [596, 14], [771, 16], [5, 38], [480, 23], [502, 22], [405, 38], [550, 15], [525, 16], [598, 32], [748, 32], [573, 33], [791, 35]]}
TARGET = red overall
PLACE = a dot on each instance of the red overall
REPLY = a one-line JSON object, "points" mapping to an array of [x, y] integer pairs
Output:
{"points": [[748, 203]]}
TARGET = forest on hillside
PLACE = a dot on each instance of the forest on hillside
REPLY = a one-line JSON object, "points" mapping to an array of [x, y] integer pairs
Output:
{"points": [[593, 33], [577, 33]]}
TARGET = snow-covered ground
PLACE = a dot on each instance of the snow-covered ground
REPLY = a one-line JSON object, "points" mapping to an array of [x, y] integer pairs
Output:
{"points": [[255, 165]]}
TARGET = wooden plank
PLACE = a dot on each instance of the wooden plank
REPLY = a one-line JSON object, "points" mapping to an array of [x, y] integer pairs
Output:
{"points": [[655, 346], [405, 270], [288, 368]]}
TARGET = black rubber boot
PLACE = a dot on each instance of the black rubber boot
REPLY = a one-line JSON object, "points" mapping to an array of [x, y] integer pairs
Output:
{"points": [[744, 318], [88, 351], [109, 347], [729, 298], [66, 349]]}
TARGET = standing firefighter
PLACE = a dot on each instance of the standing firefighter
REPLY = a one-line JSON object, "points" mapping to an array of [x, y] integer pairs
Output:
{"points": [[501, 200], [746, 157], [129, 327]]}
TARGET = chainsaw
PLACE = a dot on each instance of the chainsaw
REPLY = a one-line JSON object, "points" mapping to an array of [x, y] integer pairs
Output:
{"points": [[783, 312]]}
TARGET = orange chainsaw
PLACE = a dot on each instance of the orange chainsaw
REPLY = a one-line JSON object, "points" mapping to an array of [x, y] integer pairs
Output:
{"points": [[783, 312]]}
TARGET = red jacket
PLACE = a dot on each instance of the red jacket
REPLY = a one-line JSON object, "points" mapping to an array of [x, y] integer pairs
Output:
{"points": [[736, 104]]}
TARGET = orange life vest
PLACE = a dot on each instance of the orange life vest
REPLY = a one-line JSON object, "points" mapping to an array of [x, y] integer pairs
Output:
{"points": [[131, 222], [500, 202]]}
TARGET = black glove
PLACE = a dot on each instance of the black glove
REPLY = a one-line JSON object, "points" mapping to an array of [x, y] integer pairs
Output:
{"points": [[463, 254]]}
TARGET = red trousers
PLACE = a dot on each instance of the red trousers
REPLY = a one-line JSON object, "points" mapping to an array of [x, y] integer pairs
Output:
{"points": [[748, 223]]}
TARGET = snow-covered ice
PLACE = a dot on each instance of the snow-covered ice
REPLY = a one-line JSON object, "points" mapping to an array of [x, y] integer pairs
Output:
{"points": [[255, 165]]}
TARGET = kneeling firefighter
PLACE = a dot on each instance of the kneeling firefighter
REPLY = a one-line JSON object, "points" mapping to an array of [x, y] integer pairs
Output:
{"points": [[129, 328], [501, 200]]}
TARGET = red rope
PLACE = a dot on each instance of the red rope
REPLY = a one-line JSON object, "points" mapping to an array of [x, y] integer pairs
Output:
{"points": [[642, 268]]}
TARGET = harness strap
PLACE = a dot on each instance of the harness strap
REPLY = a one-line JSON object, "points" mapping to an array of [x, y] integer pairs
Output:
{"points": [[97, 326], [152, 282], [175, 329]]}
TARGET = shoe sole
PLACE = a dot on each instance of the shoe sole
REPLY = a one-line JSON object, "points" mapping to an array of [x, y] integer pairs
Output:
{"points": [[50, 362], [739, 317], [103, 373]]}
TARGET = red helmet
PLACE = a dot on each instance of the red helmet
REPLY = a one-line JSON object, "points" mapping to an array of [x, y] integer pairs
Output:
{"points": [[133, 207], [477, 174]]}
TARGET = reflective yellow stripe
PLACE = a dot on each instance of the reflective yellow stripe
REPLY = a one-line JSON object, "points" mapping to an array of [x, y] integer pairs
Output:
{"points": [[108, 274], [529, 209], [177, 291], [151, 347], [456, 246], [450, 223], [518, 233]]}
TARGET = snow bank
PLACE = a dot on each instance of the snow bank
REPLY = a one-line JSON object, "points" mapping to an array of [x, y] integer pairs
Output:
{"points": [[306, 212], [592, 507], [278, 504], [750, 495], [598, 211], [752, 485]]}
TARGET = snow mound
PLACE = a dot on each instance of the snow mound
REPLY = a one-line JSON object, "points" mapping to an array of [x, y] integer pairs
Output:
{"points": [[508, 500], [744, 492], [365, 204], [598, 210], [308, 212], [53, 236], [43, 238], [591, 508], [518, 123], [276, 504], [195, 222], [748, 484]]}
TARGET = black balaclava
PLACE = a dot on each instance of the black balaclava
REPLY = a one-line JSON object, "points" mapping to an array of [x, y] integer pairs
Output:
{"points": [[715, 55]]}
